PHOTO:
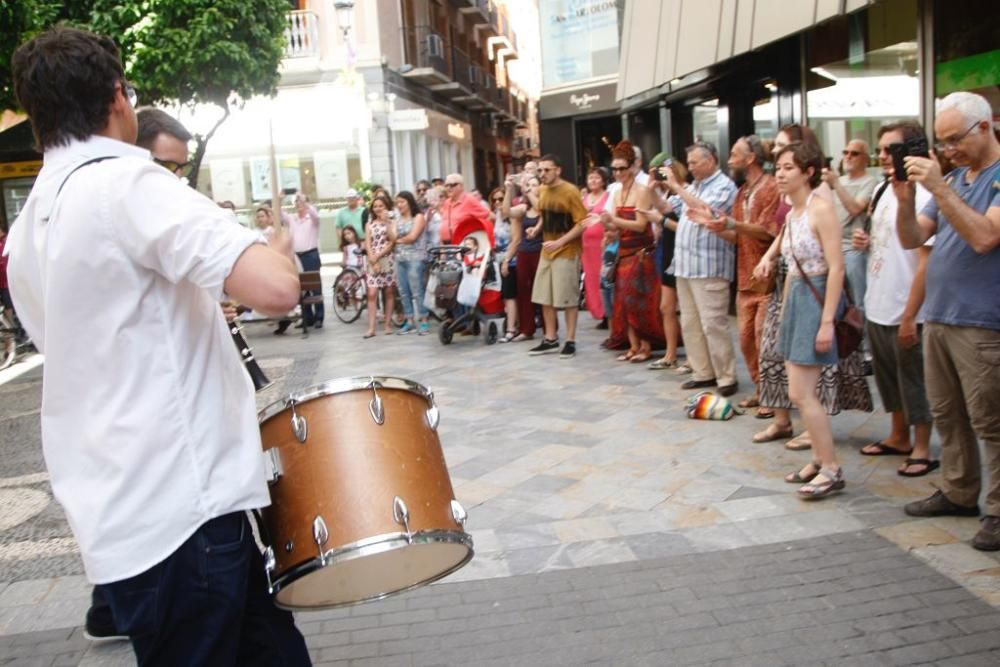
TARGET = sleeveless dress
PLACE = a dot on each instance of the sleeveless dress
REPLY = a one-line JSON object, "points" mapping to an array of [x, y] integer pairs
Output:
{"points": [[637, 287], [593, 236], [379, 238], [840, 387]]}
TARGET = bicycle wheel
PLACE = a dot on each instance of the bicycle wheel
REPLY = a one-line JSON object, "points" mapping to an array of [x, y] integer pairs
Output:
{"points": [[8, 343], [348, 296]]}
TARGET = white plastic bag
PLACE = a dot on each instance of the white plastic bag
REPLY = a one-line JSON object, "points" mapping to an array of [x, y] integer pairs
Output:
{"points": [[430, 300], [468, 290]]}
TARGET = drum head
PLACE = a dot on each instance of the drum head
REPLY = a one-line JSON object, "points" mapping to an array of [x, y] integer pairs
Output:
{"points": [[375, 576], [340, 386]]}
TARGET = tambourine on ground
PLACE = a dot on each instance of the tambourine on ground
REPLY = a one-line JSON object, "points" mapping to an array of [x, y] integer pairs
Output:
{"points": [[362, 506]]}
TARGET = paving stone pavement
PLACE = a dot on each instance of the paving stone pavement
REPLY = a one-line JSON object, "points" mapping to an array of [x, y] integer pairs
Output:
{"points": [[582, 476]]}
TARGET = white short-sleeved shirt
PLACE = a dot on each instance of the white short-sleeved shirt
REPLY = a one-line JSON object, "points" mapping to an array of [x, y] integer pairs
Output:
{"points": [[891, 268], [148, 420]]}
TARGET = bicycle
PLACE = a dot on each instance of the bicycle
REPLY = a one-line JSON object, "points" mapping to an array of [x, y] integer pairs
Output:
{"points": [[12, 340], [350, 296]]}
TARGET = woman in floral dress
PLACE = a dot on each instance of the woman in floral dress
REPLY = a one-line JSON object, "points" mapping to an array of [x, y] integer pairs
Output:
{"points": [[380, 238]]}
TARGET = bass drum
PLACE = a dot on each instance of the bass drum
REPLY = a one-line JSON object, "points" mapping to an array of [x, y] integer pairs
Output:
{"points": [[361, 502]]}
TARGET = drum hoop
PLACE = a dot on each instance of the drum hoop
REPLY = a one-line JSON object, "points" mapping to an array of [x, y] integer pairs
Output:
{"points": [[342, 386], [369, 547]]}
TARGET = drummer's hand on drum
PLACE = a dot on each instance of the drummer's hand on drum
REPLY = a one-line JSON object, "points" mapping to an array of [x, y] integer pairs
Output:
{"points": [[229, 310]]}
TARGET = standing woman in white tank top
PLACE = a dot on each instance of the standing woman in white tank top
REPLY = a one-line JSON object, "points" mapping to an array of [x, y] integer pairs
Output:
{"points": [[812, 236]]}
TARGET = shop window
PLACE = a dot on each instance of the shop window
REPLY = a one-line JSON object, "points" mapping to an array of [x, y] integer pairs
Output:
{"points": [[966, 56], [706, 123], [765, 112], [862, 73]]}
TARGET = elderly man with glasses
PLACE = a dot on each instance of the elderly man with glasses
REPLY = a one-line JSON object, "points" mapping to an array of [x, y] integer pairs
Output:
{"points": [[962, 305], [459, 205], [851, 194], [704, 265]]}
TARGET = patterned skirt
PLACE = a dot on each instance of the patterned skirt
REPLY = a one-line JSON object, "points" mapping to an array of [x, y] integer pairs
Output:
{"points": [[842, 386], [637, 301]]}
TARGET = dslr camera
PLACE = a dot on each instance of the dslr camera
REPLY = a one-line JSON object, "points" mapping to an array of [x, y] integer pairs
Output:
{"points": [[917, 146]]}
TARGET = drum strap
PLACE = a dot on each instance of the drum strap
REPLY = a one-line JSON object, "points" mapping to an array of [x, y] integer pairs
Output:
{"points": [[265, 536]]}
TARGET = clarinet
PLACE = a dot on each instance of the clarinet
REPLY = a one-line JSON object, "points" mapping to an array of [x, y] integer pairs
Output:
{"points": [[260, 381]]}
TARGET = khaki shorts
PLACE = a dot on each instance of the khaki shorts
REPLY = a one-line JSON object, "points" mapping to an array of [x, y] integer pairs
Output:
{"points": [[557, 282]]}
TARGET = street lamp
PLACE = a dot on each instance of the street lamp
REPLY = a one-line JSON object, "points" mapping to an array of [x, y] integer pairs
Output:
{"points": [[345, 15]]}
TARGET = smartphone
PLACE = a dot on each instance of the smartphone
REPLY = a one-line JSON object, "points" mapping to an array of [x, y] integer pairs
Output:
{"points": [[289, 191], [658, 173], [898, 152]]}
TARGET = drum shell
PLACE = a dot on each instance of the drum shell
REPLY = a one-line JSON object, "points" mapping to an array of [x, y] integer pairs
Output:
{"points": [[349, 471]]}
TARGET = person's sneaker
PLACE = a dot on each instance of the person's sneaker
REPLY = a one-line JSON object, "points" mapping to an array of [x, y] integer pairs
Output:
{"points": [[568, 351], [424, 329], [988, 537], [939, 505], [545, 347], [407, 328]]}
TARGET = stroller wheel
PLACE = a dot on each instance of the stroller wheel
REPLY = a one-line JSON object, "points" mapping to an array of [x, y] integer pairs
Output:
{"points": [[491, 334], [445, 334]]}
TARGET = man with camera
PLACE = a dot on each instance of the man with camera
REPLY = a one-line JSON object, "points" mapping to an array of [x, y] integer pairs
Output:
{"points": [[893, 310], [962, 306]]}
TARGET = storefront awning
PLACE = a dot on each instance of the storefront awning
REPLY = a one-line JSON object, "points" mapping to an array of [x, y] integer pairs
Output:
{"points": [[664, 40]]}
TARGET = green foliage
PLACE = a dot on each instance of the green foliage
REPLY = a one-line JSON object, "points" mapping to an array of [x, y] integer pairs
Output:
{"points": [[183, 51]]}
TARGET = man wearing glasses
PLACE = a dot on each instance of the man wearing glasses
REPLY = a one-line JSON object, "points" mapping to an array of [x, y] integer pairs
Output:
{"points": [[458, 206], [149, 429], [852, 192], [962, 305]]}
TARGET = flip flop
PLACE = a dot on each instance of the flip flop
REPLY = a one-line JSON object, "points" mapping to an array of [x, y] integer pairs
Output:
{"points": [[662, 364], [751, 402], [640, 357], [627, 356], [929, 467], [368, 335], [770, 434], [764, 413], [882, 449]]}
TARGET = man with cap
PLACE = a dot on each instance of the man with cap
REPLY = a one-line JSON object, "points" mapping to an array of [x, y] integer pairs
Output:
{"points": [[351, 214]]}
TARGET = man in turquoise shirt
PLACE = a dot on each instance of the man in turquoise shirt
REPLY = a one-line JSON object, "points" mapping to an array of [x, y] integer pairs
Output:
{"points": [[351, 214], [962, 306]]}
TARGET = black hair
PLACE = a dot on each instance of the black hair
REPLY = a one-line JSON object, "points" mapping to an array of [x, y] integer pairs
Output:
{"points": [[384, 198], [550, 157], [343, 230], [911, 129], [153, 123], [66, 80], [410, 200]]}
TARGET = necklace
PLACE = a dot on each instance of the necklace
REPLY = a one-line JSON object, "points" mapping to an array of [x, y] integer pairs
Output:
{"points": [[626, 193]]}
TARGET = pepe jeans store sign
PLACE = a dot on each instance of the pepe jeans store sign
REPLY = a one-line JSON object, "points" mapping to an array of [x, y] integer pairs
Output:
{"points": [[577, 102]]}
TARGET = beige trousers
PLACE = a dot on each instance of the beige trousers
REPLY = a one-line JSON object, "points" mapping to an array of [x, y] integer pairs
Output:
{"points": [[962, 371], [704, 304]]}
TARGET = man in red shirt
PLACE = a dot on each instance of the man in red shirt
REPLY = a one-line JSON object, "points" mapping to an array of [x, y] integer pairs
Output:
{"points": [[459, 206]]}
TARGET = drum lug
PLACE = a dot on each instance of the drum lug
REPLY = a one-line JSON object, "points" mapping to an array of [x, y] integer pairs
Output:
{"points": [[269, 564], [401, 515], [320, 536], [458, 513], [299, 425], [276, 469], [433, 414], [375, 406]]}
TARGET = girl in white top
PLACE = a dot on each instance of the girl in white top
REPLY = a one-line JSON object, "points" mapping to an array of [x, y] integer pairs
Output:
{"points": [[815, 241]]}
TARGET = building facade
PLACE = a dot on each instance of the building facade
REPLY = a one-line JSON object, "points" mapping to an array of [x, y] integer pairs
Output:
{"points": [[715, 70]]}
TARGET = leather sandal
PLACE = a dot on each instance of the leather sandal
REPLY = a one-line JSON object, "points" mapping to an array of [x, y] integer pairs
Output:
{"points": [[826, 483], [798, 478], [772, 433], [628, 355], [799, 443]]}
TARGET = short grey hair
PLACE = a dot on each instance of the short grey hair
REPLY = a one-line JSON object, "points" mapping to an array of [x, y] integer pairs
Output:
{"points": [[973, 108]]}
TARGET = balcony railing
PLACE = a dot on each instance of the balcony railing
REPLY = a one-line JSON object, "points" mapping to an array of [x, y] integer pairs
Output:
{"points": [[301, 34], [425, 48], [461, 68]]}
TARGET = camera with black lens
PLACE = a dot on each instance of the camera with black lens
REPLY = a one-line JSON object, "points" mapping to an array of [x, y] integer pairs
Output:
{"points": [[917, 147]]}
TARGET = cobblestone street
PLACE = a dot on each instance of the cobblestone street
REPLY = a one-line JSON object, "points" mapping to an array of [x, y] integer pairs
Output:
{"points": [[609, 529]]}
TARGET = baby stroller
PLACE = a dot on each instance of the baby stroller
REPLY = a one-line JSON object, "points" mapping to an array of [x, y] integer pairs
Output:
{"points": [[468, 279]]}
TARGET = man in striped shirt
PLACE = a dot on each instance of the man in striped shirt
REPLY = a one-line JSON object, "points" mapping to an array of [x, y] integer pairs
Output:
{"points": [[704, 265]]}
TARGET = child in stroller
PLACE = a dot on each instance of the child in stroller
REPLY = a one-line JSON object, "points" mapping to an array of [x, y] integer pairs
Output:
{"points": [[467, 283]]}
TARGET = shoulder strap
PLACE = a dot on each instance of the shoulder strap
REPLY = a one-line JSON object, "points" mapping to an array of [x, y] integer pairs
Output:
{"points": [[875, 199], [791, 248], [75, 169]]}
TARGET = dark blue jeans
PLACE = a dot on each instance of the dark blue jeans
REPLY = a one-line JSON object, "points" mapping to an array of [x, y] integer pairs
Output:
{"points": [[207, 604], [312, 314]]}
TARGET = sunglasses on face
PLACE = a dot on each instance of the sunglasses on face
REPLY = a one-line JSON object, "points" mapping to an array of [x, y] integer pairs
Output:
{"points": [[852, 153], [619, 169], [179, 168]]}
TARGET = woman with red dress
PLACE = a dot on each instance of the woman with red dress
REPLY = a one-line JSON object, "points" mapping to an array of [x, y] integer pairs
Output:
{"points": [[593, 236], [637, 285]]}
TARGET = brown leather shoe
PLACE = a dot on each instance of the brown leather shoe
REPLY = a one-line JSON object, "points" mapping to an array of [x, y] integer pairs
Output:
{"points": [[988, 537], [939, 505]]}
